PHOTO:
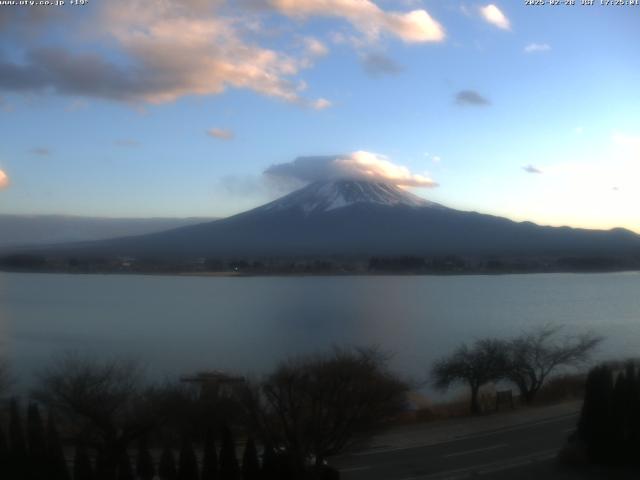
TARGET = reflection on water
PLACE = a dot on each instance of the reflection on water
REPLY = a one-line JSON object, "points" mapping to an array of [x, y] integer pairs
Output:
{"points": [[181, 324]]}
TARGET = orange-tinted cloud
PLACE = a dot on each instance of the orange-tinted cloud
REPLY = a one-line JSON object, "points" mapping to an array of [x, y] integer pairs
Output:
{"points": [[416, 26], [199, 47], [169, 51], [4, 179], [221, 133]]}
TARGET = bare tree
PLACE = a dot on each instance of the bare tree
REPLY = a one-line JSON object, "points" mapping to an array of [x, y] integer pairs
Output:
{"points": [[191, 409], [102, 400], [534, 355], [317, 406], [483, 362]]}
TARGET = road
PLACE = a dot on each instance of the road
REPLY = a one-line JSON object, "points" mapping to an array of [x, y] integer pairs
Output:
{"points": [[482, 453]]}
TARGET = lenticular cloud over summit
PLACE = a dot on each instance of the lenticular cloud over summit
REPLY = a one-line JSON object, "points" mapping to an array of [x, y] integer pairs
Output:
{"points": [[360, 165]]}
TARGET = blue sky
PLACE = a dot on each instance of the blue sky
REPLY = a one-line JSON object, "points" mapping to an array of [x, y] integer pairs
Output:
{"points": [[123, 109]]}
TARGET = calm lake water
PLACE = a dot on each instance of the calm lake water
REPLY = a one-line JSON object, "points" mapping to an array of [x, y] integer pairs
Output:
{"points": [[178, 325]]}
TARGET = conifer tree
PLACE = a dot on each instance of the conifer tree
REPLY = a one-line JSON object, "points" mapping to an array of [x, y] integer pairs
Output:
{"points": [[16, 434], [594, 426], [145, 468], [105, 470], [5, 463], [618, 421], [18, 464], [635, 419], [250, 462], [632, 417], [125, 472], [188, 463], [37, 443], [269, 470], [56, 460], [229, 469], [167, 467], [82, 468], [209, 458]]}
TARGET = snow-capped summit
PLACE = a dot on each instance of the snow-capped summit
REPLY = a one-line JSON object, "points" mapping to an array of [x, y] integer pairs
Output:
{"points": [[325, 196]]}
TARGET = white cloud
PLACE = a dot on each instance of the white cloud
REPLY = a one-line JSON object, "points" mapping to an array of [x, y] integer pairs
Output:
{"points": [[360, 165], [315, 48], [433, 158], [494, 16], [4, 179], [320, 104], [416, 26], [537, 47], [221, 133]]}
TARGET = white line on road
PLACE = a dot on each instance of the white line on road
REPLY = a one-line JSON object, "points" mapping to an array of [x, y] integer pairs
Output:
{"points": [[485, 468], [354, 469], [476, 450]]}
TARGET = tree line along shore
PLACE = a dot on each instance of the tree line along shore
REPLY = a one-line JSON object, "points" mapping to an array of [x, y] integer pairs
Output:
{"points": [[376, 265]]}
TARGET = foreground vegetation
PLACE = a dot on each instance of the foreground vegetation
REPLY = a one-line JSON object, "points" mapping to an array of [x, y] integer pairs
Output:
{"points": [[115, 426], [307, 409]]}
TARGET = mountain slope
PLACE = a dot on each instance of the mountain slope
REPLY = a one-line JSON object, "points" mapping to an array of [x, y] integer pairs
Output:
{"points": [[357, 218]]}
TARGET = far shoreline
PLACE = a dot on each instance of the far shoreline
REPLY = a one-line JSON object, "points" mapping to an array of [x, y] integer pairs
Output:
{"points": [[214, 274]]}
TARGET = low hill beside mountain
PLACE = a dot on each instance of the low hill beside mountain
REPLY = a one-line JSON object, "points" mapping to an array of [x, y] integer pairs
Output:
{"points": [[25, 230]]}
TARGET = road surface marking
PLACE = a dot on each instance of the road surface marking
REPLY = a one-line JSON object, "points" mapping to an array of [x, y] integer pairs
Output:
{"points": [[475, 450], [354, 469], [485, 468]]}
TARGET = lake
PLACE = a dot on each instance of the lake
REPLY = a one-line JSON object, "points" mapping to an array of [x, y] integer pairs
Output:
{"points": [[178, 325]]}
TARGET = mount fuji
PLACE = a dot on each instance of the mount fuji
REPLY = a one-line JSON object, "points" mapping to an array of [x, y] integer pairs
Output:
{"points": [[325, 196], [361, 218]]}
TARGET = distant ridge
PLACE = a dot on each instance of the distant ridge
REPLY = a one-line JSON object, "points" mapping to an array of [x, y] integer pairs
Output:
{"points": [[48, 229], [359, 218]]}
